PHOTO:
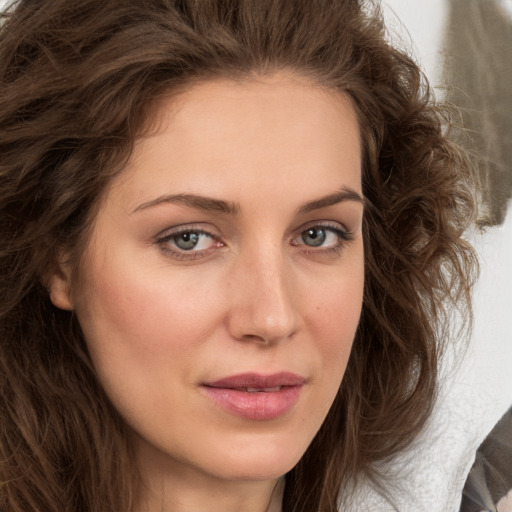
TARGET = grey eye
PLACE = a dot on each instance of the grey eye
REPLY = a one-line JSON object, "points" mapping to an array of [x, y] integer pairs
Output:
{"points": [[314, 237], [186, 241]]}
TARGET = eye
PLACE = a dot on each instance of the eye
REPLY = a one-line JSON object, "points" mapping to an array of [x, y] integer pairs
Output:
{"points": [[323, 238], [187, 243], [316, 236], [191, 240]]}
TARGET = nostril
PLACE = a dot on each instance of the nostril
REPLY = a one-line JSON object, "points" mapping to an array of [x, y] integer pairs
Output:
{"points": [[266, 330]]}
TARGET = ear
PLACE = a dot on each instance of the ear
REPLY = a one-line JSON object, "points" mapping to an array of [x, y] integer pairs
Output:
{"points": [[58, 284]]}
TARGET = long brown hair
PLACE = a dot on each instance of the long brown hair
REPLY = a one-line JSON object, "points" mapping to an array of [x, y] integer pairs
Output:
{"points": [[77, 79]]}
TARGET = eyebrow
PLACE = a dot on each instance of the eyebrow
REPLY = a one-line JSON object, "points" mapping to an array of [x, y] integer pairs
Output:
{"points": [[345, 194], [233, 208], [193, 201]]}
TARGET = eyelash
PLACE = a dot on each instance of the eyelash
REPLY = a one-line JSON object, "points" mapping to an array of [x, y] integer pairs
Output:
{"points": [[344, 236], [163, 243]]}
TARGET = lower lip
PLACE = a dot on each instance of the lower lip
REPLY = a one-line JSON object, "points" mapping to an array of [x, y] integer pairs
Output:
{"points": [[259, 405]]}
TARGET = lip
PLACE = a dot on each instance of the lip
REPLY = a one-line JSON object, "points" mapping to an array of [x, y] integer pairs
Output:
{"points": [[256, 396]]}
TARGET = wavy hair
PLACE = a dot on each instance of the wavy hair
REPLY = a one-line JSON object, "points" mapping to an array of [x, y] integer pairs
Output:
{"points": [[77, 80]]}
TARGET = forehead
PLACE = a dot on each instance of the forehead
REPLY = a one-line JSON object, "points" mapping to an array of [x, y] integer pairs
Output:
{"points": [[279, 93], [279, 128]]}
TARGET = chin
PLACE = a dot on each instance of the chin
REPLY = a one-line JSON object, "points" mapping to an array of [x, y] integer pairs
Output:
{"points": [[257, 461]]}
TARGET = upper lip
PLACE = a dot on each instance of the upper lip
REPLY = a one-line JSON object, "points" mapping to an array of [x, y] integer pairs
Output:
{"points": [[257, 380]]}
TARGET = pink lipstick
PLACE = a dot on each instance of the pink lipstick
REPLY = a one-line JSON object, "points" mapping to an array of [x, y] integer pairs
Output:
{"points": [[255, 396]]}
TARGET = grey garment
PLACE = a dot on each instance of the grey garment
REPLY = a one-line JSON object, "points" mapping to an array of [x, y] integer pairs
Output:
{"points": [[490, 477]]}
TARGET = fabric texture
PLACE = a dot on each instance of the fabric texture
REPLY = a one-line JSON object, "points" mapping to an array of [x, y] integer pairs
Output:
{"points": [[490, 478]]}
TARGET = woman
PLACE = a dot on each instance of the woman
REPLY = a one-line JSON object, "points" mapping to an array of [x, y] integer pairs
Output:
{"points": [[231, 233]]}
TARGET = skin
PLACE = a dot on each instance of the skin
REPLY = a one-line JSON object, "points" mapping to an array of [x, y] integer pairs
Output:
{"points": [[254, 295], [505, 504]]}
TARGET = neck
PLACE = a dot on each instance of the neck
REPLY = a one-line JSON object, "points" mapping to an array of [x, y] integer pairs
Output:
{"points": [[169, 486], [209, 494]]}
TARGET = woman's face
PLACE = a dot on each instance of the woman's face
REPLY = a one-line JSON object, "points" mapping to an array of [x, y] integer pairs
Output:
{"points": [[222, 285]]}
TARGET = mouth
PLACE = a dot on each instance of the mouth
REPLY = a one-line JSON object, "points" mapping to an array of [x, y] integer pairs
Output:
{"points": [[254, 396], [261, 390]]}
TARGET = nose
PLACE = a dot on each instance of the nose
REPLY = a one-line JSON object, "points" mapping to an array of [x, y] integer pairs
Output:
{"points": [[262, 300]]}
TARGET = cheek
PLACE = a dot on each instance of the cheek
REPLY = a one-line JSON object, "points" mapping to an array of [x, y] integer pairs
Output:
{"points": [[337, 307], [334, 317], [346, 314], [144, 323], [144, 330]]}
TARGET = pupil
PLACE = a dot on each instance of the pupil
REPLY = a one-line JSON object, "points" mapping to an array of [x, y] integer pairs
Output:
{"points": [[314, 237], [186, 241]]}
